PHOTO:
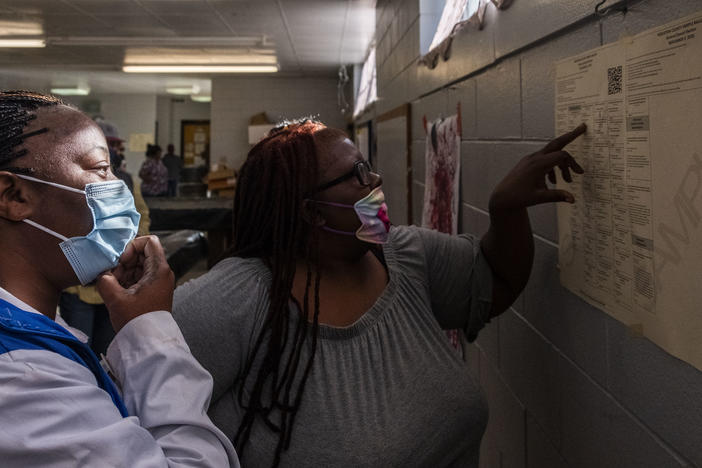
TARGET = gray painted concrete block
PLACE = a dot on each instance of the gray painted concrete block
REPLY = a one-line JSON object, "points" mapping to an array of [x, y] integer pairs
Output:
{"points": [[417, 202], [471, 354], [597, 431], [418, 158], [484, 164], [432, 106], [424, 80], [392, 94], [409, 45], [538, 78], [405, 16], [392, 66], [464, 93], [646, 15], [544, 221], [412, 9], [472, 49], [489, 341], [382, 53], [384, 12], [384, 73], [473, 221], [527, 21], [392, 32], [529, 366], [541, 453], [499, 102], [477, 223], [489, 451], [506, 420], [663, 391], [571, 324]]}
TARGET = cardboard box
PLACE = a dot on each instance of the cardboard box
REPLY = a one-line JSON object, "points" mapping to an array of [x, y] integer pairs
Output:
{"points": [[221, 174]]}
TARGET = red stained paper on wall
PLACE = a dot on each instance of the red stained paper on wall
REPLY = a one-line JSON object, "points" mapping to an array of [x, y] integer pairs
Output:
{"points": [[443, 167]]}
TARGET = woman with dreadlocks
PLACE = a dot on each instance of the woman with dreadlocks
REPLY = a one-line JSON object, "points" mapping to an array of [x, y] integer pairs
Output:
{"points": [[324, 330], [65, 219]]}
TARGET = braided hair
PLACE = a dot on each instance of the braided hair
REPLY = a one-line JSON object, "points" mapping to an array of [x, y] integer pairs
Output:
{"points": [[279, 174], [17, 109]]}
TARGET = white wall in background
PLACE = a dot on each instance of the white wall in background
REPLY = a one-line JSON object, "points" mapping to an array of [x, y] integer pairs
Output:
{"points": [[235, 100]]}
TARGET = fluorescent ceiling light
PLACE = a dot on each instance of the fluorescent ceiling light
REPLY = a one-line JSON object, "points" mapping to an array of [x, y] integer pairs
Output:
{"points": [[76, 91], [200, 68], [20, 28], [183, 90], [201, 98], [151, 41], [200, 56], [4, 42]]}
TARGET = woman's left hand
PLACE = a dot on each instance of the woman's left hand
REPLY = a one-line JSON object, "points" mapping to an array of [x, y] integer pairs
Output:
{"points": [[525, 184]]}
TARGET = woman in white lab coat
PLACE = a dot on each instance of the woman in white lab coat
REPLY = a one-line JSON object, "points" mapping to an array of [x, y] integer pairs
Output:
{"points": [[64, 219]]}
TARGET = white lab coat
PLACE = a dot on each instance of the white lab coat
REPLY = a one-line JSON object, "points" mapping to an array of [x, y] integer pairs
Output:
{"points": [[53, 414]]}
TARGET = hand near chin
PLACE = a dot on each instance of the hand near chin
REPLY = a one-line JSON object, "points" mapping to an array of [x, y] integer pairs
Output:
{"points": [[525, 185], [142, 282]]}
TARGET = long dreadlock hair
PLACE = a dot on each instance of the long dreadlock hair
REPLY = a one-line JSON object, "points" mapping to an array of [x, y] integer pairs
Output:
{"points": [[17, 109], [279, 173]]}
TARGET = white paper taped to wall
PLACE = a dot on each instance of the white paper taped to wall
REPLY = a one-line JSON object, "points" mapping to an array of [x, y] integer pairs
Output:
{"points": [[632, 242]]}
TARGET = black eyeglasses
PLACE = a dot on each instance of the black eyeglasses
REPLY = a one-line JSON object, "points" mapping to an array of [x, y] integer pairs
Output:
{"points": [[362, 171]]}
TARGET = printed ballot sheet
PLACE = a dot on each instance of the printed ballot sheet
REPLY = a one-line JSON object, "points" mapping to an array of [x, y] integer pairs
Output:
{"points": [[632, 242]]}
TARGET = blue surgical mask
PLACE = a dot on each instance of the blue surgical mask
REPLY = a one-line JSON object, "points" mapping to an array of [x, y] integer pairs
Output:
{"points": [[115, 224]]}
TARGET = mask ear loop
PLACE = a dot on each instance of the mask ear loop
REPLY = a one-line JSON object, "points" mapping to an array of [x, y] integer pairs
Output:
{"points": [[340, 205], [45, 229], [53, 184]]}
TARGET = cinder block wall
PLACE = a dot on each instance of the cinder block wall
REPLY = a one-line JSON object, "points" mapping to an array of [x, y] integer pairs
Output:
{"points": [[566, 384]]}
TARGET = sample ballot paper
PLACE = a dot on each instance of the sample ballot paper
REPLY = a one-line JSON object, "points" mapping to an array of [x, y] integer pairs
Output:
{"points": [[632, 242]]}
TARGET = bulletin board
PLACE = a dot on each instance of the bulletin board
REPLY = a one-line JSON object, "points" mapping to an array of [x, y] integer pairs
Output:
{"points": [[394, 162], [195, 142]]}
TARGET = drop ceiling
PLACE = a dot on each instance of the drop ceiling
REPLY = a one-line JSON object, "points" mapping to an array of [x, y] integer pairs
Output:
{"points": [[87, 39]]}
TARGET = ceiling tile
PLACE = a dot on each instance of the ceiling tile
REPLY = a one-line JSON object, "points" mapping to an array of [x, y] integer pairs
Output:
{"points": [[315, 27], [176, 7], [103, 7]]}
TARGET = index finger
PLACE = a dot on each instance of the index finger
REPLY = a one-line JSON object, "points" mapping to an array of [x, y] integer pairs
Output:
{"points": [[558, 143]]}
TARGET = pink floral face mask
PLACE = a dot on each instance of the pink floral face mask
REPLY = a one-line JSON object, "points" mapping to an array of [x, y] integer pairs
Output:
{"points": [[373, 213]]}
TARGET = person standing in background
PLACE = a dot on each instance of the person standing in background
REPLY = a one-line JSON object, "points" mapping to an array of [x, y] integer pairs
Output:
{"points": [[153, 173], [174, 163]]}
